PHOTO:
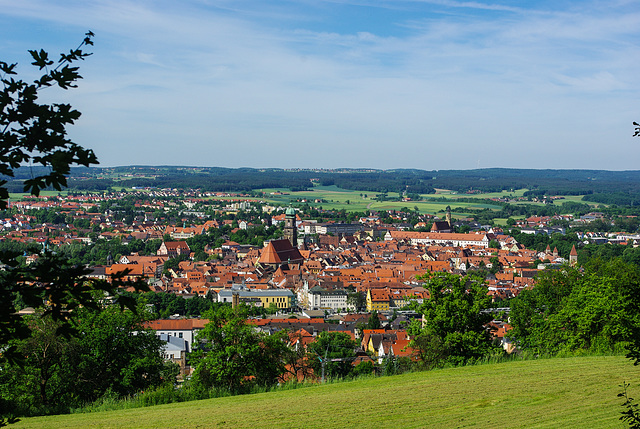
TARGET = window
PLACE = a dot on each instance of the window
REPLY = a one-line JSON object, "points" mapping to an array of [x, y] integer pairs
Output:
{"points": [[180, 335]]}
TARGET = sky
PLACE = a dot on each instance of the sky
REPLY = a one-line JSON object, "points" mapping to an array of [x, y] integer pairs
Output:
{"points": [[427, 84]]}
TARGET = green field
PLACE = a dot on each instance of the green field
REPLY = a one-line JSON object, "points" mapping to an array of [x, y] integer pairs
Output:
{"points": [[362, 201], [19, 196], [577, 392]]}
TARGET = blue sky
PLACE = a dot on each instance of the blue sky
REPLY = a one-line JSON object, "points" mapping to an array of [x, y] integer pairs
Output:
{"points": [[326, 84]]}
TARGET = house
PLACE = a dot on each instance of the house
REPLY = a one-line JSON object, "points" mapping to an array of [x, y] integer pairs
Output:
{"points": [[377, 299], [185, 329], [173, 249], [175, 350]]}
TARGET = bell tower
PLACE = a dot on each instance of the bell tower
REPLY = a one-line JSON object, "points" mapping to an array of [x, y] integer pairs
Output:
{"points": [[290, 229]]}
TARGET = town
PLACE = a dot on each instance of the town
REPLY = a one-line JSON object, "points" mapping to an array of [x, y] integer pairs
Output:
{"points": [[305, 275]]}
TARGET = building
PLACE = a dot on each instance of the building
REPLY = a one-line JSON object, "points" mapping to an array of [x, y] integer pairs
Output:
{"points": [[445, 226], [319, 298], [173, 249], [449, 239], [281, 298], [175, 350], [377, 299], [280, 252], [290, 229], [185, 329], [573, 256], [337, 228]]}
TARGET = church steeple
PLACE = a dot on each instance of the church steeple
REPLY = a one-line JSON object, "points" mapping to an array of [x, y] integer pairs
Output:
{"points": [[290, 228], [573, 256]]}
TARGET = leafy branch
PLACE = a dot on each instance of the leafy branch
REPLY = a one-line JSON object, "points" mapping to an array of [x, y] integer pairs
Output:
{"points": [[34, 132], [632, 413]]}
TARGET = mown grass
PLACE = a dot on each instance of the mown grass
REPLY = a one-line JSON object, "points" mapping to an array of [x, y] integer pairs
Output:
{"points": [[574, 392]]}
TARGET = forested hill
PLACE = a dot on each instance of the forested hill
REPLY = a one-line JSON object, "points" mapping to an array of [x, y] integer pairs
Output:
{"points": [[599, 185]]}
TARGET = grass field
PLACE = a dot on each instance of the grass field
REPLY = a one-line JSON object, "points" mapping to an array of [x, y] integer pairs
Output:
{"points": [[578, 392], [362, 201], [18, 196]]}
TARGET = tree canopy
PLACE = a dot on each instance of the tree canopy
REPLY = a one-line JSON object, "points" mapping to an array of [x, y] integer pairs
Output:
{"points": [[595, 308], [335, 351], [36, 133], [454, 324], [233, 356], [114, 354]]}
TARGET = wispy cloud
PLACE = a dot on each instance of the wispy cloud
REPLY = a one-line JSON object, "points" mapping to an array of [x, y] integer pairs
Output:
{"points": [[349, 83]]}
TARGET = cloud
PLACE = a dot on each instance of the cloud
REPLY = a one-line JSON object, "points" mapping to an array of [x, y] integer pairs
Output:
{"points": [[427, 84]]}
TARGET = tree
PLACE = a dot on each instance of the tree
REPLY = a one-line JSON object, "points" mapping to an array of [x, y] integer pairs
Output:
{"points": [[364, 368], [34, 133], [631, 414], [430, 350], [496, 265], [334, 353], [596, 308], [374, 321], [357, 300], [297, 359], [234, 356], [114, 353], [454, 329]]}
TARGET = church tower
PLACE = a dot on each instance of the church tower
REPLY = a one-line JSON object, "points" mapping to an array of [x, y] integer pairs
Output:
{"points": [[448, 217], [290, 229], [573, 256]]}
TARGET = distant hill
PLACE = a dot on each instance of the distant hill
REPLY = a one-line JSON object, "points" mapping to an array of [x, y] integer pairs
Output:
{"points": [[611, 187], [567, 393]]}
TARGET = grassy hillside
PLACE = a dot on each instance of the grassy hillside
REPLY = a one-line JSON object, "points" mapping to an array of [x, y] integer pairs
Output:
{"points": [[568, 393]]}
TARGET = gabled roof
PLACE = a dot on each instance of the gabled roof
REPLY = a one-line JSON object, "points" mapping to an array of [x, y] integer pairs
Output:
{"points": [[280, 252]]}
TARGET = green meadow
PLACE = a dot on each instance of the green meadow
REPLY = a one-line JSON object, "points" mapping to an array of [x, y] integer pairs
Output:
{"points": [[361, 201], [18, 196], [338, 199], [576, 392]]}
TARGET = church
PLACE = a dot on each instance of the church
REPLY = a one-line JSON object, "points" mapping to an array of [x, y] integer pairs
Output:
{"points": [[283, 251], [444, 226]]}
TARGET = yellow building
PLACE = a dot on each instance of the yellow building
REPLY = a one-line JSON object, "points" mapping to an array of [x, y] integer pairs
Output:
{"points": [[377, 299], [281, 298]]}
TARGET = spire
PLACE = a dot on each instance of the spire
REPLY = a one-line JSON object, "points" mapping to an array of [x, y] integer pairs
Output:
{"points": [[573, 256]]}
